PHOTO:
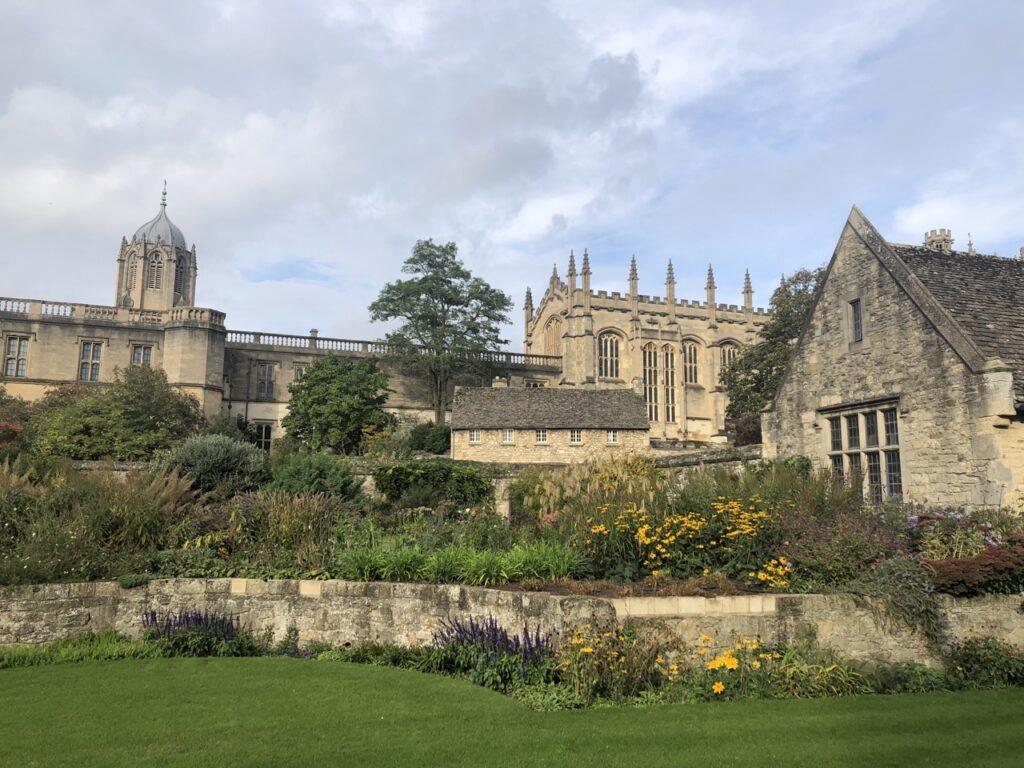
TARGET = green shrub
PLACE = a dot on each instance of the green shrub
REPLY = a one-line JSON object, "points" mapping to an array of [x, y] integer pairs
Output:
{"points": [[903, 588], [216, 463], [105, 646], [449, 481], [130, 419], [984, 662], [431, 438], [315, 473]]}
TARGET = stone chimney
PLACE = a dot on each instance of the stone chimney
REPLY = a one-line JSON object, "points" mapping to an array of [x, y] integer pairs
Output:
{"points": [[939, 240], [1021, 256]]}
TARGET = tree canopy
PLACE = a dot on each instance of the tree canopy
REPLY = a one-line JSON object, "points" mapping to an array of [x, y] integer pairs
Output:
{"points": [[336, 402], [449, 318], [136, 415], [752, 378]]}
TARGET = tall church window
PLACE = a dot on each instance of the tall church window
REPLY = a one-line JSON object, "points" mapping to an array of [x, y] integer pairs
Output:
{"points": [[729, 353], [608, 356], [156, 273], [650, 355], [669, 377], [553, 337], [690, 355], [179, 277], [133, 269]]}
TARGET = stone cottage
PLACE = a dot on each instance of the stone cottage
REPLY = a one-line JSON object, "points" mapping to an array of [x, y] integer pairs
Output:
{"points": [[547, 425], [909, 374]]}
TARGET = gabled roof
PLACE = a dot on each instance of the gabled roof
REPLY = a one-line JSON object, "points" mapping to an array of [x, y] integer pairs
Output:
{"points": [[971, 300], [984, 294], [549, 408]]}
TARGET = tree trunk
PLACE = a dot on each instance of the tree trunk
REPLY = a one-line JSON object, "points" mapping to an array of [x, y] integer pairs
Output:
{"points": [[440, 393]]}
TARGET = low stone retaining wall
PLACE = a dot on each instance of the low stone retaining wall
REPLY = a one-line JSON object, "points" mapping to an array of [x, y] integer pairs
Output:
{"points": [[341, 612]]}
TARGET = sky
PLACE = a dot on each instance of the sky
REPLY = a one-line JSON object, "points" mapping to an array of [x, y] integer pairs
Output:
{"points": [[307, 145]]}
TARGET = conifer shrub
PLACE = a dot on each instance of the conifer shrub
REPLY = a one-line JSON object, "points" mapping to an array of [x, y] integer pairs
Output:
{"points": [[216, 463]]}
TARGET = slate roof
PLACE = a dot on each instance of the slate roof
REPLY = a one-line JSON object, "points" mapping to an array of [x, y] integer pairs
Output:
{"points": [[984, 294], [551, 408]]}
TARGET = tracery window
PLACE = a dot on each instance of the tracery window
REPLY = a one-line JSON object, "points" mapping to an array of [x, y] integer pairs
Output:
{"points": [[690, 356], [650, 359], [729, 353], [669, 378], [608, 356], [156, 273], [179, 277], [553, 337]]}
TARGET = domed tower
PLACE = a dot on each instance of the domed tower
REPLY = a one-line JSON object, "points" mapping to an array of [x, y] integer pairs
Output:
{"points": [[155, 269]]}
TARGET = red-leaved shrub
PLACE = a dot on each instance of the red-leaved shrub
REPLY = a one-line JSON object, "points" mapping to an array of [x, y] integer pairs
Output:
{"points": [[999, 570]]}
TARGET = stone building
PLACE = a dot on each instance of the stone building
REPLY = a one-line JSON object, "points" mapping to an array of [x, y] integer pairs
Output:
{"points": [[670, 349], [154, 321], [910, 372], [547, 425]]}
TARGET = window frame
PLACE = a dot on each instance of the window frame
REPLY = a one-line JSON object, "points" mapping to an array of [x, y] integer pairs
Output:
{"points": [[649, 356], [575, 436], [474, 436], [690, 351], [89, 364], [856, 320], [611, 437], [16, 356], [540, 436], [668, 376], [266, 388], [867, 460], [263, 432], [146, 355], [609, 355], [508, 436]]}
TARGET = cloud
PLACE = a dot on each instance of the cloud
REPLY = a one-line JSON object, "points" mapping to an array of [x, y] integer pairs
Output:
{"points": [[308, 146], [981, 196]]}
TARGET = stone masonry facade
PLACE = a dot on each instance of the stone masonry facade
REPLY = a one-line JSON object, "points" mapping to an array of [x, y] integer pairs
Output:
{"points": [[933, 419], [154, 321], [341, 612]]}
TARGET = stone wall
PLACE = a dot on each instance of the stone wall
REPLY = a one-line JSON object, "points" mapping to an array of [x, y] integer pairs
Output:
{"points": [[947, 438], [524, 449], [341, 612]]}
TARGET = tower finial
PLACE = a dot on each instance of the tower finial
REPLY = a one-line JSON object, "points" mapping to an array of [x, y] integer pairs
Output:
{"points": [[572, 263], [586, 263], [711, 278], [632, 268], [746, 282], [554, 273], [528, 304], [163, 196], [970, 244], [670, 276]]}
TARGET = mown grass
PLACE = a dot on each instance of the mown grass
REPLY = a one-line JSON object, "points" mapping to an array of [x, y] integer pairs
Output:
{"points": [[286, 712]]}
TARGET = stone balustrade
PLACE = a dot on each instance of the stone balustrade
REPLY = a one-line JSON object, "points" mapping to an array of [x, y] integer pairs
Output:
{"points": [[35, 309], [364, 348]]}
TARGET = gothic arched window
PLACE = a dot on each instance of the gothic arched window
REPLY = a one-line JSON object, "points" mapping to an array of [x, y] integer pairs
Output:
{"points": [[133, 270], [691, 353], [669, 377], [553, 337], [729, 353], [156, 273], [608, 356], [179, 277], [650, 355]]}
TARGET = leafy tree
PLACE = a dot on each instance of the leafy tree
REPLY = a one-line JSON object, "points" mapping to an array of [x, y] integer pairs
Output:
{"points": [[752, 378], [336, 401], [13, 414], [130, 419], [450, 319]]}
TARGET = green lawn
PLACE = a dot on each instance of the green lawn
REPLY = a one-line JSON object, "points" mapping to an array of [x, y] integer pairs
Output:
{"points": [[284, 712]]}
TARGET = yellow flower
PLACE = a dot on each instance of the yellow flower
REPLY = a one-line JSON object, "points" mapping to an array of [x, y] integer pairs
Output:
{"points": [[718, 687], [755, 664], [706, 640], [586, 649]]}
